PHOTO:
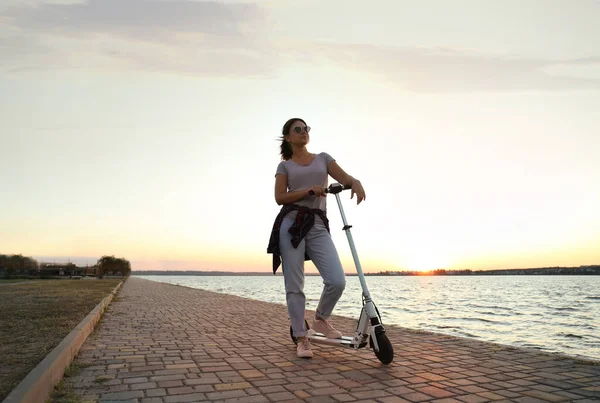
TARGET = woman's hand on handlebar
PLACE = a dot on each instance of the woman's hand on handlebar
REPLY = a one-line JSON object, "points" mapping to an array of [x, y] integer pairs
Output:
{"points": [[317, 191]]}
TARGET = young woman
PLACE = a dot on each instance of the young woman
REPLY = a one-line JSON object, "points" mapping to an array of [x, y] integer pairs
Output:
{"points": [[301, 229]]}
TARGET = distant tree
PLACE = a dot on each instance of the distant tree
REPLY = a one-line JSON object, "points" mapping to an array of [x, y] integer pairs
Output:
{"points": [[104, 264], [31, 266], [111, 264], [124, 267], [17, 263], [4, 264]]}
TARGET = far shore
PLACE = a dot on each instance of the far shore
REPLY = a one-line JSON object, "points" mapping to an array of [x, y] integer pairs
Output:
{"points": [[543, 271]]}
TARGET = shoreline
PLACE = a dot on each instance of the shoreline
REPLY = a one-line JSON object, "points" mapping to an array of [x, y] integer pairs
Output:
{"points": [[422, 274]]}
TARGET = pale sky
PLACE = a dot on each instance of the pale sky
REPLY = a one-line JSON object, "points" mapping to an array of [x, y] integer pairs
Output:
{"points": [[149, 129]]}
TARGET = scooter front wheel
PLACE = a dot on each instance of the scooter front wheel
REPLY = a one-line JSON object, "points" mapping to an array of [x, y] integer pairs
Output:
{"points": [[294, 339], [386, 351]]}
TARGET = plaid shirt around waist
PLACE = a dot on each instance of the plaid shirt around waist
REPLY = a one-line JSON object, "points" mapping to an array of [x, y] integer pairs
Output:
{"points": [[303, 223]]}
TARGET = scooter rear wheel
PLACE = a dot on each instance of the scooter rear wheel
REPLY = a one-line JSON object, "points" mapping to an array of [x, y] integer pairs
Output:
{"points": [[386, 351], [294, 339]]}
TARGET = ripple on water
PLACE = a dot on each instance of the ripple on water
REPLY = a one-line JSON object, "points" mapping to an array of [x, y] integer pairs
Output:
{"points": [[565, 308], [439, 326], [570, 335]]}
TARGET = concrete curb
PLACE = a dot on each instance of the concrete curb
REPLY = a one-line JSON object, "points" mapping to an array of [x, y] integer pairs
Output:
{"points": [[39, 384]]}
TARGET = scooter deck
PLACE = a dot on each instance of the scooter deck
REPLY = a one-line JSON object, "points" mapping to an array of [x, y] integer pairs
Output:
{"points": [[321, 338]]}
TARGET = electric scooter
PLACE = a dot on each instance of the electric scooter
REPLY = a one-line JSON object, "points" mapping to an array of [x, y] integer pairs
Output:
{"points": [[369, 322]]}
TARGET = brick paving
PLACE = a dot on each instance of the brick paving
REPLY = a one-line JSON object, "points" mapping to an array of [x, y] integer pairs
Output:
{"points": [[163, 343]]}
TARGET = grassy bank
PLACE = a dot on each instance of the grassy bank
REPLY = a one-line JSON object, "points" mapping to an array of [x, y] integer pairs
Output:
{"points": [[36, 317], [13, 280]]}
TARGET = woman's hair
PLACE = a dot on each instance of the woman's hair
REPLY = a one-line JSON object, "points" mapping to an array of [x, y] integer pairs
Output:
{"points": [[286, 148]]}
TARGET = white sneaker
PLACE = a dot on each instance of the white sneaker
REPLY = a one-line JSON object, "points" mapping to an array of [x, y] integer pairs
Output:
{"points": [[325, 327], [303, 348]]}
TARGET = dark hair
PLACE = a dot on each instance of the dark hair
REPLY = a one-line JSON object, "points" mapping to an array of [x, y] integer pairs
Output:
{"points": [[286, 148]]}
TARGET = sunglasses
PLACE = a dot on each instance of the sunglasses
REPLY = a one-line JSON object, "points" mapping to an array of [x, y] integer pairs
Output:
{"points": [[299, 129]]}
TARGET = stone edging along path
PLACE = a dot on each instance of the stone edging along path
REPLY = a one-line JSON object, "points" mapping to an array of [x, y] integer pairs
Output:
{"points": [[40, 382]]}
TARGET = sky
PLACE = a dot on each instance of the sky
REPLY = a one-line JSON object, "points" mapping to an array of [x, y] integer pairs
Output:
{"points": [[149, 129]]}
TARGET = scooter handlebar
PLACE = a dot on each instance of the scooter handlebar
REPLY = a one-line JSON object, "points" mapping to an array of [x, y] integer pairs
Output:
{"points": [[334, 188]]}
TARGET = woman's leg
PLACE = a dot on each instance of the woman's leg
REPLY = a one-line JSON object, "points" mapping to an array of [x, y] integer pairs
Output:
{"points": [[323, 254], [292, 260]]}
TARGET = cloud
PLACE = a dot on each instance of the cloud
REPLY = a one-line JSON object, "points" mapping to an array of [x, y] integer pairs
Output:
{"points": [[201, 38], [215, 39], [450, 70], [138, 18], [584, 61]]}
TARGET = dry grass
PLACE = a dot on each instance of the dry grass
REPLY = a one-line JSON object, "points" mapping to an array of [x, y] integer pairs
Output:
{"points": [[13, 280], [36, 317], [64, 391]]}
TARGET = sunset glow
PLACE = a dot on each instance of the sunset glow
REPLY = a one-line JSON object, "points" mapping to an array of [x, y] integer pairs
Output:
{"points": [[476, 142]]}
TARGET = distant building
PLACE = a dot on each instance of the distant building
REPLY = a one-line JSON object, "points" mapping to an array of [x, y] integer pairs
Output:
{"points": [[59, 269], [89, 271]]}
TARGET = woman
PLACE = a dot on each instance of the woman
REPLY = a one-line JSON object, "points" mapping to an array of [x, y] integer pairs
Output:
{"points": [[301, 229]]}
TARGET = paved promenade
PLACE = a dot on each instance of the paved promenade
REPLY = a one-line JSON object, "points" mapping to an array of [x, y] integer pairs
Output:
{"points": [[164, 343]]}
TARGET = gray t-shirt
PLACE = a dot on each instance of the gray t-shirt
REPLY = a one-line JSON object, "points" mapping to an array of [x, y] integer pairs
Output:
{"points": [[300, 177]]}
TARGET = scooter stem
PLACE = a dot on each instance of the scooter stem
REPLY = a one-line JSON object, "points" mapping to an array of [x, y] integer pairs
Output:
{"points": [[359, 270]]}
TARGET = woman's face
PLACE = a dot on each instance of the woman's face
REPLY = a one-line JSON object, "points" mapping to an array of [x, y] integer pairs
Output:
{"points": [[298, 133]]}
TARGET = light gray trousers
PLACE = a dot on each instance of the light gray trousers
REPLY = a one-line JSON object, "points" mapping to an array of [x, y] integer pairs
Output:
{"points": [[321, 250]]}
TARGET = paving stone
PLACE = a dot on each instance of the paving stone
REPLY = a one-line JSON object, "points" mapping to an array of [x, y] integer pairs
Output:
{"points": [[156, 392], [121, 395], [193, 397], [416, 397], [435, 392]]}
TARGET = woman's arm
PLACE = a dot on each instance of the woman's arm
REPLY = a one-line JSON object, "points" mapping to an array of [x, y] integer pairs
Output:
{"points": [[342, 177], [282, 196]]}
